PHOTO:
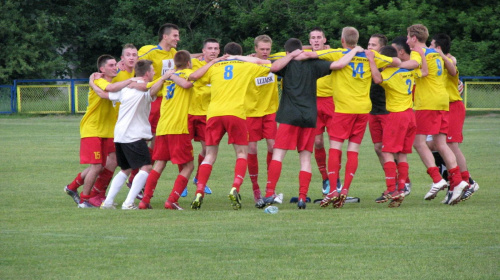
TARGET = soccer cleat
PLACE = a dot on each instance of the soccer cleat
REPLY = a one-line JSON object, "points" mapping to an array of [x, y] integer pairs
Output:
{"points": [[447, 198], [129, 207], [407, 189], [268, 200], [329, 198], [301, 204], [197, 201], [207, 189], [184, 192], [85, 204], [458, 191], [143, 206], [326, 186], [388, 195], [172, 205], [339, 185], [341, 200], [235, 198], [74, 195], [435, 188], [470, 191], [279, 198], [260, 203], [107, 206], [397, 201]]}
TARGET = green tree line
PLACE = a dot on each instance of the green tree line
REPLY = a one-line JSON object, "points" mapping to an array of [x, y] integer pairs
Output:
{"points": [[63, 38]]}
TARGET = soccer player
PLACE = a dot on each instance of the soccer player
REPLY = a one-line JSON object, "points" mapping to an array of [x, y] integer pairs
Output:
{"points": [[173, 139], [297, 115], [325, 107], [199, 104], [442, 43], [351, 96], [399, 125], [96, 131], [261, 101], [131, 132], [431, 106], [229, 81]]}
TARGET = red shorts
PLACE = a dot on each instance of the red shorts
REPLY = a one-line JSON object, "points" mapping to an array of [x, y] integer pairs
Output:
{"points": [[399, 132], [290, 137], [376, 124], [261, 127], [456, 122], [154, 114], [350, 127], [325, 113], [235, 127], [432, 122], [95, 150], [176, 148], [197, 126]]}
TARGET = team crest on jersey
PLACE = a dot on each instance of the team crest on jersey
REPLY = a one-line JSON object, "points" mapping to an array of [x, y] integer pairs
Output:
{"points": [[269, 79], [167, 64]]}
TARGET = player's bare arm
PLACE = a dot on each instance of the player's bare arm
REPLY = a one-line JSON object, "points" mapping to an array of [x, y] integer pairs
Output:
{"points": [[376, 75], [424, 69], [282, 62], [250, 59], [448, 63], [181, 82], [159, 82], [101, 93], [200, 72], [341, 63]]}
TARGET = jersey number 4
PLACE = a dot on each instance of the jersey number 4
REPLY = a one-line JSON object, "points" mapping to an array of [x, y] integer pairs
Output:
{"points": [[357, 68]]}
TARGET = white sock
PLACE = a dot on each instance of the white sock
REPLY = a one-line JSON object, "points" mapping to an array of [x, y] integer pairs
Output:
{"points": [[137, 185], [116, 185]]}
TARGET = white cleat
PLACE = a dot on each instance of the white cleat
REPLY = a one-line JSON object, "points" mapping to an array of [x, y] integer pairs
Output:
{"points": [[457, 192], [435, 188]]}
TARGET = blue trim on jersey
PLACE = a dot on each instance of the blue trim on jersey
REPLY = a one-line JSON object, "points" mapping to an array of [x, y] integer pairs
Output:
{"points": [[400, 70], [158, 47], [429, 50]]}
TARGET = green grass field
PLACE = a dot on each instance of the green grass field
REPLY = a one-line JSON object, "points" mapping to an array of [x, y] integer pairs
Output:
{"points": [[44, 235]]}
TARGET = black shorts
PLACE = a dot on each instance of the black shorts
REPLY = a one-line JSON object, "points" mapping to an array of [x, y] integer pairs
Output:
{"points": [[132, 155]]}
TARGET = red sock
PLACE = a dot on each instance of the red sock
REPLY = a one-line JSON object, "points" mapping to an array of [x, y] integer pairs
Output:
{"points": [[84, 197], [200, 160], [203, 174], [434, 173], [334, 157], [465, 176], [78, 181], [273, 175], [320, 156], [304, 181], [179, 186], [408, 179], [403, 168], [455, 175], [351, 166], [240, 169], [151, 183], [269, 158], [102, 182], [132, 175], [390, 175], [253, 170]]}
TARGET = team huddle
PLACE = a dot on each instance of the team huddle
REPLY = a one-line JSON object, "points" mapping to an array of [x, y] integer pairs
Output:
{"points": [[148, 108]]}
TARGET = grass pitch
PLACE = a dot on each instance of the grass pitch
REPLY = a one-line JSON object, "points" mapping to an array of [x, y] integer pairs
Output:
{"points": [[44, 236]]}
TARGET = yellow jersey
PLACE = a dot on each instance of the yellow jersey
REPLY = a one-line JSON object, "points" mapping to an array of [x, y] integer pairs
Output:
{"points": [[398, 85], [201, 93], [100, 118]]}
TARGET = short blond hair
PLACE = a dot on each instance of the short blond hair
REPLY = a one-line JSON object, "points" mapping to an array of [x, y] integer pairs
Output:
{"points": [[262, 38], [419, 31], [350, 36]]}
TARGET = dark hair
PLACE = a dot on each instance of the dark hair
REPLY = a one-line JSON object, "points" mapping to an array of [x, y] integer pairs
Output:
{"points": [[444, 41], [210, 40], [102, 60], [233, 49], [319, 29], [381, 39], [166, 29], [293, 44], [182, 58], [142, 67], [400, 41], [389, 51]]}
